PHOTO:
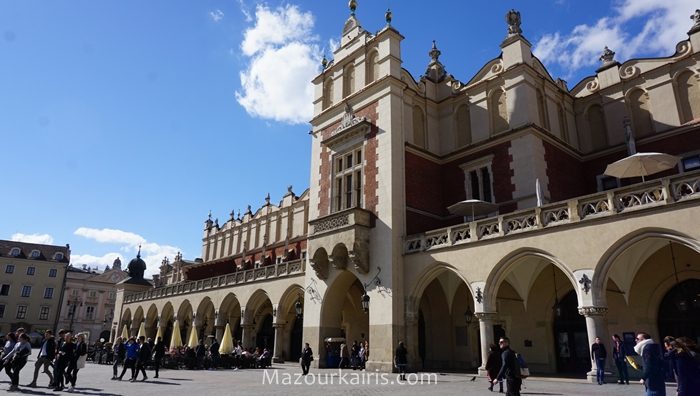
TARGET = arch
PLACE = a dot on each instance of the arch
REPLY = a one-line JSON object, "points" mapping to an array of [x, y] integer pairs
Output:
{"points": [[349, 80], [151, 321], [327, 92], [498, 109], [687, 85], [138, 315], [503, 268], [463, 125], [419, 135], [602, 269], [339, 256], [254, 303], [597, 127], [291, 341], [372, 66], [206, 315], [638, 102], [430, 273], [542, 113]]}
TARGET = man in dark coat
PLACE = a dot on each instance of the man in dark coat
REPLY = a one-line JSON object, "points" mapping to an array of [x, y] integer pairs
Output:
{"points": [[509, 369], [214, 354], [47, 352], [619, 351], [653, 371], [401, 360], [599, 354], [307, 355], [144, 358], [158, 353], [200, 352]]}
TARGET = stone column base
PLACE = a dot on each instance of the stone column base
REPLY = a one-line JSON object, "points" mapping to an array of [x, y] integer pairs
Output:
{"points": [[384, 367], [277, 359]]}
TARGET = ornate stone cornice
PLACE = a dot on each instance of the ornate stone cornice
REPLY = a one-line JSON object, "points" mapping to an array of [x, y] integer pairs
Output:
{"points": [[593, 311]]}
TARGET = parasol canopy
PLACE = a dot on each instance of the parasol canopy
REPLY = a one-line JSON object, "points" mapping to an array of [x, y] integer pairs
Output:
{"points": [[472, 207], [193, 340], [641, 164], [176, 338], [125, 333], [226, 347], [142, 331], [159, 334]]}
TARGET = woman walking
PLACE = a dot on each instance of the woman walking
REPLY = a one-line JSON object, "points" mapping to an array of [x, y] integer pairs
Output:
{"points": [[493, 366], [64, 357], [7, 349], [119, 351], [16, 359], [307, 355], [687, 366], [78, 361]]}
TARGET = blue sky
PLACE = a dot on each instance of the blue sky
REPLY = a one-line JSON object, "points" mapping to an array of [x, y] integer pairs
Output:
{"points": [[125, 122]]}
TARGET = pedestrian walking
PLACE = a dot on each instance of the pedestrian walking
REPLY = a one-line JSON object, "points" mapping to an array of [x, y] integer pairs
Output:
{"points": [[653, 371], [16, 359], [6, 350], [131, 355], [493, 366], [200, 352], [118, 354], [307, 355], [344, 356], [620, 357], [158, 354], [214, 354], [510, 370], [78, 361], [599, 354], [64, 357], [45, 357], [144, 356], [687, 366], [401, 360]]}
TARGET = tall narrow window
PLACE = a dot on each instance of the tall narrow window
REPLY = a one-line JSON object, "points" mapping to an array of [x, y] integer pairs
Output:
{"points": [[418, 127], [479, 180], [52, 272], [563, 125], [542, 110], [21, 312], [372, 67], [327, 92], [44, 313], [348, 80], [689, 96], [90, 312], [597, 129], [463, 126], [641, 117], [347, 173], [48, 293], [26, 291], [499, 111]]}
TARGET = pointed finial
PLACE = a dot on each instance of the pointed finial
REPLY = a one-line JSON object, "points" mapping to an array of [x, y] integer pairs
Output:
{"points": [[239, 214], [434, 52], [267, 199], [324, 61], [387, 16], [353, 6], [138, 255], [232, 214], [209, 214], [289, 188]]}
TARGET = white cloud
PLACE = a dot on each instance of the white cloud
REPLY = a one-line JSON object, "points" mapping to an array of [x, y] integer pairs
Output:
{"points": [[152, 253], [244, 10], [333, 44], [216, 15], [283, 57], [44, 239], [666, 24]]}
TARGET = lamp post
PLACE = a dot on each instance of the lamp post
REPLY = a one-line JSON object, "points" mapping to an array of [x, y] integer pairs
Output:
{"points": [[73, 305], [365, 298], [299, 307]]}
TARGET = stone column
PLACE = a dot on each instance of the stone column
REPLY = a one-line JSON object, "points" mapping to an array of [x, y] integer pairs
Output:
{"points": [[411, 323], [279, 347], [596, 326], [219, 326], [486, 334], [247, 335]]}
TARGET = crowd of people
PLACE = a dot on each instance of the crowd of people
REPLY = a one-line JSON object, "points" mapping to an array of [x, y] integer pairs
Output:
{"points": [[60, 359]]}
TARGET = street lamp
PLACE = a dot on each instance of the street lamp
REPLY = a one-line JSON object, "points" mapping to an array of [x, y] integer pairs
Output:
{"points": [[72, 308], [298, 307], [365, 302], [468, 316], [365, 298]]}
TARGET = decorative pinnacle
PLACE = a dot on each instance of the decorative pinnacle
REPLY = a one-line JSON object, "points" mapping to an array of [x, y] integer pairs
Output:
{"points": [[324, 61], [267, 199], [608, 56], [209, 214], [138, 255], [434, 52], [353, 6], [387, 16]]}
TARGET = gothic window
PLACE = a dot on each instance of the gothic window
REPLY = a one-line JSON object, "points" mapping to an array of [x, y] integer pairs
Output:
{"points": [[596, 127], [478, 179], [641, 117], [372, 67], [542, 110], [418, 127], [563, 125], [327, 92], [499, 111], [348, 80], [689, 96], [347, 180], [463, 127]]}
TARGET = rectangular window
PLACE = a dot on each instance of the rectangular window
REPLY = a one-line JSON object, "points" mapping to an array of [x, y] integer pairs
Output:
{"points": [[93, 293], [21, 312], [90, 312], [52, 273], [26, 291], [479, 180], [74, 292], [9, 268], [690, 163], [2, 310], [44, 313], [347, 176], [112, 295], [607, 182], [48, 293], [30, 271], [5, 290]]}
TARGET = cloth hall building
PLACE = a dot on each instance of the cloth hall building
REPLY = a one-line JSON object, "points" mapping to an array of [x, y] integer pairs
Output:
{"points": [[370, 250]]}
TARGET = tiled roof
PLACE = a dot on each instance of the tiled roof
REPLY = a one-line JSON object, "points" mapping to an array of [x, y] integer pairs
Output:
{"points": [[47, 252]]}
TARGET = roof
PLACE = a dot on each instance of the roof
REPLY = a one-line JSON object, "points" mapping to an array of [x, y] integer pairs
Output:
{"points": [[46, 252]]}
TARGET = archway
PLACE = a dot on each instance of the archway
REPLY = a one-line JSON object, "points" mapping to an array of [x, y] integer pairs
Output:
{"points": [[184, 318], [291, 326], [679, 312], [259, 314], [205, 319], [151, 323], [570, 337], [230, 312]]}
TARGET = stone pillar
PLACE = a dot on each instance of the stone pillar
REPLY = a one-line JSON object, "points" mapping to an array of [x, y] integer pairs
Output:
{"points": [[412, 339], [596, 326], [219, 326], [279, 347], [247, 335], [486, 334]]}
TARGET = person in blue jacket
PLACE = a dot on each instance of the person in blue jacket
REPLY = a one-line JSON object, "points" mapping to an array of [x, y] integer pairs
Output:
{"points": [[132, 355]]}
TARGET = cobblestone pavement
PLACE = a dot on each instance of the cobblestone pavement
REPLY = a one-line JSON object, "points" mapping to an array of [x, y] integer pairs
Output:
{"points": [[280, 380]]}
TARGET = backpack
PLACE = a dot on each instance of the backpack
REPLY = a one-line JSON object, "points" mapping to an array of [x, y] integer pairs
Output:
{"points": [[520, 367]]}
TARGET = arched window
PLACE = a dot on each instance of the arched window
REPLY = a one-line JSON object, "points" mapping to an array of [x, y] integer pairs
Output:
{"points": [[327, 92], [641, 117], [348, 80], [542, 110], [372, 67], [463, 126], [597, 128], [563, 125], [418, 127], [689, 96], [499, 111]]}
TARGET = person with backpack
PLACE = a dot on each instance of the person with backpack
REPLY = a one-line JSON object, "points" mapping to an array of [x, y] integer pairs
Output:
{"points": [[510, 369]]}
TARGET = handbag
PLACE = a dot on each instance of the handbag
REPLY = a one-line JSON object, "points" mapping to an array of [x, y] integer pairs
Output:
{"points": [[80, 363]]}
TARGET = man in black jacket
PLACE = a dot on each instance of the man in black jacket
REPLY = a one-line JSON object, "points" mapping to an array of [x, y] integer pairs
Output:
{"points": [[509, 369], [158, 353], [45, 357], [599, 354], [144, 357]]}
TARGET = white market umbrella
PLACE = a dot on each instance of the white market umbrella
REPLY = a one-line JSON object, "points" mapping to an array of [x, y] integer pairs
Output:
{"points": [[142, 331], [159, 334], [125, 333], [193, 341], [176, 338], [472, 207], [641, 164], [226, 347]]}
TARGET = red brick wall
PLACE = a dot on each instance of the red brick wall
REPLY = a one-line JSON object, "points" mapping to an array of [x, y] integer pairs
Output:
{"points": [[565, 174]]}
